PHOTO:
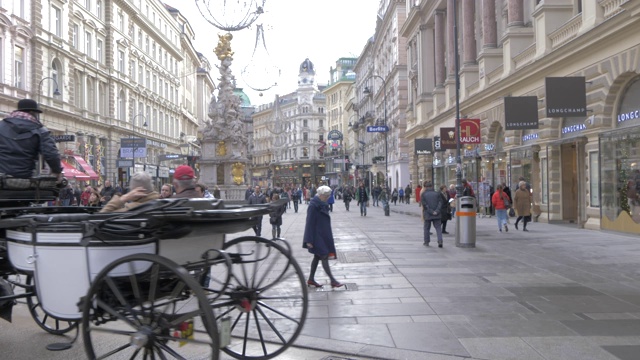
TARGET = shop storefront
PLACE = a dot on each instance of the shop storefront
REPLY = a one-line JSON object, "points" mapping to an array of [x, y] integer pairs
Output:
{"points": [[619, 165]]}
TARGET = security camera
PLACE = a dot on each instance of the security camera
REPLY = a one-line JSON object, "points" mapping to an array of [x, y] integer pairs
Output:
{"points": [[590, 120]]}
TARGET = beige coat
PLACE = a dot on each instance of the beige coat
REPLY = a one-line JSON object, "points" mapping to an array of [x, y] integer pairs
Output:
{"points": [[522, 202]]}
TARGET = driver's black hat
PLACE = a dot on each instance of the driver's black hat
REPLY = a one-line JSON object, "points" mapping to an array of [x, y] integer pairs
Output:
{"points": [[28, 105]]}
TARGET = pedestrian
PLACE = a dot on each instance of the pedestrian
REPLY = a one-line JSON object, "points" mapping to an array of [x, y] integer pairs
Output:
{"points": [[407, 193], [394, 196], [94, 199], [501, 203], [248, 192], [107, 192], [84, 198], [331, 201], [384, 199], [445, 213], [216, 192], [296, 196], [522, 204], [257, 198], [165, 191], [347, 195], [275, 217], [376, 194], [318, 236], [507, 191], [141, 192], [22, 139], [184, 181], [77, 194], [467, 190], [66, 195], [362, 198], [401, 195], [432, 204], [418, 192], [200, 189], [284, 194]]}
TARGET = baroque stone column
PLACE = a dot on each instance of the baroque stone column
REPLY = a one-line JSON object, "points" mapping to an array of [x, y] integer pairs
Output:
{"points": [[439, 47], [489, 25], [515, 14], [468, 32], [451, 64]]}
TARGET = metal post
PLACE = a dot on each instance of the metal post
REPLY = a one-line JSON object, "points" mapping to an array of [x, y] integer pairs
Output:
{"points": [[56, 92]]}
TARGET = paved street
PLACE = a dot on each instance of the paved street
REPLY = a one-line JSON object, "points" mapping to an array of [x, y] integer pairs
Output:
{"points": [[556, 292]]}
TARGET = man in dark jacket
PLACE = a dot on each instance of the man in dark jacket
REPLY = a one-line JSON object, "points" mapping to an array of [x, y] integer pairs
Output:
{"points": [[362, 197], [248, 192], [257, 198], [431, 206], [107, 192], [408, 193], [22, 139]]}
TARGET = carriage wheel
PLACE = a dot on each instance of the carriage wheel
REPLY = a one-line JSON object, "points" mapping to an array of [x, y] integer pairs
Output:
{"points": [[146, 306], [266, 301], [46, 322], [215, 279]]}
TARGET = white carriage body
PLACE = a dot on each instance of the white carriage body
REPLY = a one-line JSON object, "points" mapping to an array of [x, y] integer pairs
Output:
{"points": [[64, 269]]}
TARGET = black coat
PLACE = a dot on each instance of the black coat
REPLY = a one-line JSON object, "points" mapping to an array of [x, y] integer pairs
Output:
{"points": [[21, 141], [275, 216]]}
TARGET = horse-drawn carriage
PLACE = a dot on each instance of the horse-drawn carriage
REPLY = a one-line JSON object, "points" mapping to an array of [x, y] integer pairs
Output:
{"points": [[160, 280]]}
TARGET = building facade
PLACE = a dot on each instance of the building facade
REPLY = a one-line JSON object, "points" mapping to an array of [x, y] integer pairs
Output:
{"points": [[582, 170], [338, 92], [381, 99], [289, 136], [106, 70]]}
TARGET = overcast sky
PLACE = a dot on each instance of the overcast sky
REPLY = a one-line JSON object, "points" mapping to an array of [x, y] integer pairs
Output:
{"points": [[322, 30]]}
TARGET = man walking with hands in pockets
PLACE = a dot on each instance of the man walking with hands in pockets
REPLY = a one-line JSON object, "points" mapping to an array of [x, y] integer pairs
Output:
{"points": [[432, 204]]}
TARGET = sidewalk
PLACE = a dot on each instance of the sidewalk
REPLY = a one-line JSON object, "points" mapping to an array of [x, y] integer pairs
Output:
{"points": [[556, 292]]}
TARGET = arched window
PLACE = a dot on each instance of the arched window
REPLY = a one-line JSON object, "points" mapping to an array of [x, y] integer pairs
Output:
{"points": [[102, 100], [56, 75], [77, 91], [122, 111], [91, 95]]}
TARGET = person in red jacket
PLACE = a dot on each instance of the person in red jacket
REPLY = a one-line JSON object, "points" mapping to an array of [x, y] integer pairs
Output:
{"points": [[86, 194], [418, 189], [501, 203]]}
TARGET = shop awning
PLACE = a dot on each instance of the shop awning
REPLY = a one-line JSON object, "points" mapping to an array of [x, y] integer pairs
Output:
{"points": [[71, 172], [86, 167]]}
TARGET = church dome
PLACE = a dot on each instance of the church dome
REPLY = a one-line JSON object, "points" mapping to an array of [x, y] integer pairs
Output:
{"points": [[243, 96], [307, 66]]}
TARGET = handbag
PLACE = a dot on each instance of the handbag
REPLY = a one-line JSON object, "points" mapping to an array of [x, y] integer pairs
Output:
{"points": [[512, 212], [506, 202]]}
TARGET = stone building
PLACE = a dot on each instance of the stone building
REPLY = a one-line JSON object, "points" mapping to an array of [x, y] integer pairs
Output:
{"points": [[582, 170], [105, 70], [381, 99], [289, 135]]}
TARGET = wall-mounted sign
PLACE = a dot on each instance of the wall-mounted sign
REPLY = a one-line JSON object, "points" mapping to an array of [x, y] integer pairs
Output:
{"points": [[382, 128], [166, 157], [424, 146], [566, 96], [64, 138], [470, 131], [124, 163], [489, 147], [573, 128], [437, 144], [448, 138], [334, 135], [520, 112], [630, 115], [529, 137]]}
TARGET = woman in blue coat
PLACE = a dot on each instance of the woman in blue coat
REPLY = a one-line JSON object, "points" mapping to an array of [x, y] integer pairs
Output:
{"points": [[318, 237]]}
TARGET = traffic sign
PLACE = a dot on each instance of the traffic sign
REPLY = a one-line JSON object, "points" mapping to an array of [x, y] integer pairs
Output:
{"points": [[383, 128]]}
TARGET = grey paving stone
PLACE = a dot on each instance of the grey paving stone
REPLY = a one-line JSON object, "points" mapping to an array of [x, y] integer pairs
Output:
{"points": [[625, 352], [605, 327], [552, 290], [521, 328], [381, 310], [583, 304], [568, 348], [477, 308], [508, 348], [432, 337], [374, 334]]}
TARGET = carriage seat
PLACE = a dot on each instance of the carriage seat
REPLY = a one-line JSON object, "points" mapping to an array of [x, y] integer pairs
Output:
{"points": [[34, 189]]}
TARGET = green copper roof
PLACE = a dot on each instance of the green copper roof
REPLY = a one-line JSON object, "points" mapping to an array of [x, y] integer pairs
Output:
{"points": [[246, 102]]}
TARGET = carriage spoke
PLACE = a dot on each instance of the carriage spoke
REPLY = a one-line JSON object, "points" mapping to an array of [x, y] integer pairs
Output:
{"points": [[135, 353], [255, 318], [113, 312], [270, 325], [118, 294], [112, 331], [114, 351], [153, 283], [277, 312]]}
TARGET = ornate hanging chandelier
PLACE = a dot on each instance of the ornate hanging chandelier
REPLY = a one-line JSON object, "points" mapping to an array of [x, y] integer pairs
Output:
{"points": [[231, 15]]}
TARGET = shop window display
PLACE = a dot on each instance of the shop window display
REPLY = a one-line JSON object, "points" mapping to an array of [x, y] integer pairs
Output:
{"points": [[620, 177]]}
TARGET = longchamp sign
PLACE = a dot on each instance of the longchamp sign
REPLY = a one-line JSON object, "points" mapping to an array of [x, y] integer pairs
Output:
{"points": [[566, 96], [520, 112]]}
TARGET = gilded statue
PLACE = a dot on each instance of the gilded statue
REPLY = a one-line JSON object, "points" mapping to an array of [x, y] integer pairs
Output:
{"points": [[223, 49], [221, 149], [237, 171]]}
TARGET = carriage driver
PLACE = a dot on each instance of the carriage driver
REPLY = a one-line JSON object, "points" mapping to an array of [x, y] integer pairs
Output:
{"points": [[22, 139]]}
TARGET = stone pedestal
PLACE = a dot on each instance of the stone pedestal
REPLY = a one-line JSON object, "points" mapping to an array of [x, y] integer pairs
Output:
{"points": [[219, 171]]}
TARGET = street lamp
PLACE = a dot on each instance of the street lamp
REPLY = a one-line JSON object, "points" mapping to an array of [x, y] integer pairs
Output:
{"points": [[457, 78], [133, 137], [56, 92], [367, 91]]}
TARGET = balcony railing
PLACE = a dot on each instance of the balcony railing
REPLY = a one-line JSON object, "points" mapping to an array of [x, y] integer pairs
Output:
{"points": [[612, 8], [567, 32]]}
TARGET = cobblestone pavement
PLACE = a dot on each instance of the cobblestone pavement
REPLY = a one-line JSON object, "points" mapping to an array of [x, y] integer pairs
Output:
{"points": [[555, 292]]}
